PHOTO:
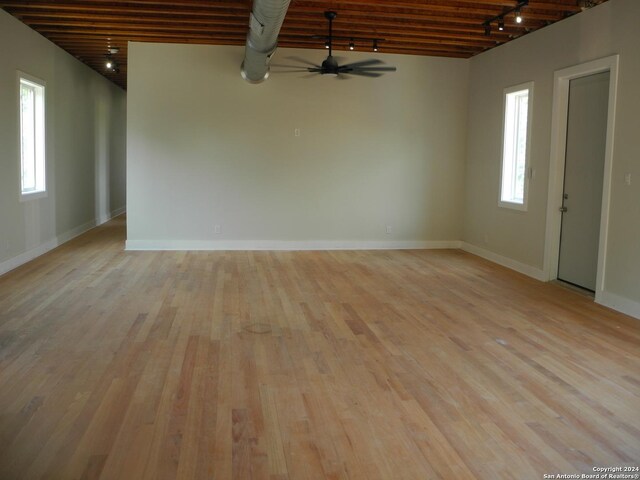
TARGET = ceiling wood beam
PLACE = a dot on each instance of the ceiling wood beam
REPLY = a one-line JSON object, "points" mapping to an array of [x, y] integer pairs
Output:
{"points": [[450, 28]]}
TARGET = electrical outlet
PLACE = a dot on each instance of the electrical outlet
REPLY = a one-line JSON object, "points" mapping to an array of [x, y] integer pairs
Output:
{"points": [[388, 229], [627, 179], [217, 229], [296, 132]]}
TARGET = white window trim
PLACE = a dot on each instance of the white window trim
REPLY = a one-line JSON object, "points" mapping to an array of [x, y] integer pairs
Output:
{"points": [[25, 197], [527, 162]]}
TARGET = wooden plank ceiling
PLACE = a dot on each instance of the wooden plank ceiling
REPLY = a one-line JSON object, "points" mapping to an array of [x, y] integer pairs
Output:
{"points": [[450, 28]]}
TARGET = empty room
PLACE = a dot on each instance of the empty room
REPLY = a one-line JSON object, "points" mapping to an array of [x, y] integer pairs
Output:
{"points": [[290, 239]]}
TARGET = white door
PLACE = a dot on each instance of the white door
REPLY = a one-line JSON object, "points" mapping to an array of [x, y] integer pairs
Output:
{"points": [[583, 180]]}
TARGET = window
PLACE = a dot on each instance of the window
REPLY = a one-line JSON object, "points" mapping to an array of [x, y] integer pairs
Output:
{"points": [[32, 137], [516, 146]]}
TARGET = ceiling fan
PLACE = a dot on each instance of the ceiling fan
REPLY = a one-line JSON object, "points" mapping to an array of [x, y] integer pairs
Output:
{"points": [[330, 66]]}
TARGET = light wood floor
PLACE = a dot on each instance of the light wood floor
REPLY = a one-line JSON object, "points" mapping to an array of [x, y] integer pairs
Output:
{"points": [[364, 365]]}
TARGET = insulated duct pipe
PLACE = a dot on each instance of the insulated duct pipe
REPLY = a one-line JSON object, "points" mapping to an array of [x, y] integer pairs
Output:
{"points": [[264, 26]]}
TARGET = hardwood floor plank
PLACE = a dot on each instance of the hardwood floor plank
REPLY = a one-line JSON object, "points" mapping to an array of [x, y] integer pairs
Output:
{"points": [[306, 365]]}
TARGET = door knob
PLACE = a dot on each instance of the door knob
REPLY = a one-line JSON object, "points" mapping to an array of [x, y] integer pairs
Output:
{"points": [[563, 209]]}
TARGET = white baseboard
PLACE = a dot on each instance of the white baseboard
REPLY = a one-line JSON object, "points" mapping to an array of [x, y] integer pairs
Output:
{"points": [[621, 304], [27, 256], [288, 245], [74, 232], [523, 268], [43, 248], [611, 300], [114, 213], [118, 211]]}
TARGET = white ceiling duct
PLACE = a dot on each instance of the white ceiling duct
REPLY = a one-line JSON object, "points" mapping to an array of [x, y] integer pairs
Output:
{"points": [[264, 26]]}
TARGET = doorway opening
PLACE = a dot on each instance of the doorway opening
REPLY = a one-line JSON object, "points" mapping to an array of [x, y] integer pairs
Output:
{"points": [[581, 208], [578, 203]]}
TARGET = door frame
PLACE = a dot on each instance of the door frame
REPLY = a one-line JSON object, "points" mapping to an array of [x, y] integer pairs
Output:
{"points": [[561, 80]]}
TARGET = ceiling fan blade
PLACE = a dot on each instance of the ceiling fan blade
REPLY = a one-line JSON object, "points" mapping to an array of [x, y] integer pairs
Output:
{"points": [[364, 63], [363, 73], [297, 70], [281, 65], [303, 61], [376, 69], [279, 68], [314, 70]]}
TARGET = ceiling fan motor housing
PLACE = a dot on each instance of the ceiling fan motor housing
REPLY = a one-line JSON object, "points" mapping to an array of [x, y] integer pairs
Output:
{"points": [[329, 66]]}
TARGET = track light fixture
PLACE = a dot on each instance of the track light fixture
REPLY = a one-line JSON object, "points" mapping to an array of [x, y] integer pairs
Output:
{"points": [[111, 64], [348, 42], [517, 10], [587, 4]]}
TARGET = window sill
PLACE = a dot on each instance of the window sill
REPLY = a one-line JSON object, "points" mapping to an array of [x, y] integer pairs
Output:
{"points": [[26, 197], [521, 207]]}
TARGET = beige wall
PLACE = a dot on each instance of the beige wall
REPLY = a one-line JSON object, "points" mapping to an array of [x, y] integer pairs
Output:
{"points": [[206, 148], [611, 28], [85, 142]]}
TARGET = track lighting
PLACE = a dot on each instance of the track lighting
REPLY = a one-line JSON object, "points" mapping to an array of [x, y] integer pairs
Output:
{"points": [[344, 42], [111, 64], [517, 10], [518, 15], [586, 4]]}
